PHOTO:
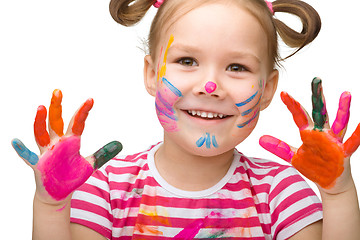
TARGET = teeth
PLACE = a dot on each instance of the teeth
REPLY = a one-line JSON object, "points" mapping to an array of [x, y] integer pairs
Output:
{"points": [[206, 114]]}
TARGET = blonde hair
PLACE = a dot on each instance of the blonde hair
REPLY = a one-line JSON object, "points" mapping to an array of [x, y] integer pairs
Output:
{"points": [[130, 12]]}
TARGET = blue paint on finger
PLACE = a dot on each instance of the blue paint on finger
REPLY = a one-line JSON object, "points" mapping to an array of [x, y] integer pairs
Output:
{"points": [[24, 152]]}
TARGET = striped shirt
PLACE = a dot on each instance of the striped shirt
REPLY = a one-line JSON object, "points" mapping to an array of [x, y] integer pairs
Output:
{"points": [[257, 199]]}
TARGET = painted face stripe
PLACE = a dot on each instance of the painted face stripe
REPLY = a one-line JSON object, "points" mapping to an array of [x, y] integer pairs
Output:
{"points": [[163, 111], [248, 121], [247, 112], [166, 104], [200, 142], [214, 142], [172, 87], [208, 140], [247, 100], [24, 152]]}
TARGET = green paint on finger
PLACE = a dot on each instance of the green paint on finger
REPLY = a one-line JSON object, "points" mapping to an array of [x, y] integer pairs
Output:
{"points": [[104, 154], [319, 112]]}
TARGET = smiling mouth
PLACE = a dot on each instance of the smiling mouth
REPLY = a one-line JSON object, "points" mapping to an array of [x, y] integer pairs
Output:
{"points": [[206, 115]]}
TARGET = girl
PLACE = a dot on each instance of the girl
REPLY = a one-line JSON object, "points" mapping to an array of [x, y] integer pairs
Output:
{"points": [[211, 69]]}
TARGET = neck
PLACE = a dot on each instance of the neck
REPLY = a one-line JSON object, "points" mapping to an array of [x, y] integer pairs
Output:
{"points": [[187, 171]]}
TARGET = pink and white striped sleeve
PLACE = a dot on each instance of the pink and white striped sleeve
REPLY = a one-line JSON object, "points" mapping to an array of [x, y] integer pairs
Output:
{"points": [[293, 204]]}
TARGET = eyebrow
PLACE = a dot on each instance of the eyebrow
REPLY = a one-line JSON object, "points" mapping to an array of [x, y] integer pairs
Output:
{"points": [[193, 49], [183, 47]]}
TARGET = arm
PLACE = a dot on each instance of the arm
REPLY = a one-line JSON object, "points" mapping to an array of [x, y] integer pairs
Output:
{"points": [[324, 159], [60, 170]]}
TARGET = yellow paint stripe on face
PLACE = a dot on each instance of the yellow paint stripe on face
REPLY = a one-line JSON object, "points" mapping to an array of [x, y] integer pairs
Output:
{"points": [[163, 67]]}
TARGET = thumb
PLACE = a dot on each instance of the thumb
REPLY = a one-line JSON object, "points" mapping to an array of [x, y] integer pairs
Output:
{"points": [[104, 154], [277, 147], [28, 156]]}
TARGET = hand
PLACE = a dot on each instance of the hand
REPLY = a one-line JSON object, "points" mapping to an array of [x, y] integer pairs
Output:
{"points": [[60, 169], [323, 157]]}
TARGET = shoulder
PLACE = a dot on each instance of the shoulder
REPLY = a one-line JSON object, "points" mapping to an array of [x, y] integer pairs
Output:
{"points": [[128, 164], [263, 169]]}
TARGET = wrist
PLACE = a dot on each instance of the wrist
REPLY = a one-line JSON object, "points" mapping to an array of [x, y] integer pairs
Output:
{"points": [[45, 199]]}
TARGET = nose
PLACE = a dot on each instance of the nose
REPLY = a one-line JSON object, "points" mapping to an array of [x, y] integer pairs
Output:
{"points": [[209, 88]]}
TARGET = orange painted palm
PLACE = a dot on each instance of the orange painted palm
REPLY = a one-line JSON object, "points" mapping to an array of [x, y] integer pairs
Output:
{"points": [[323, 157]]}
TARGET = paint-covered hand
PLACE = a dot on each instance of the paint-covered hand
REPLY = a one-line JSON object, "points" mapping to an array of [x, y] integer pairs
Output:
{"points": [[323, 157], [60, 169]]}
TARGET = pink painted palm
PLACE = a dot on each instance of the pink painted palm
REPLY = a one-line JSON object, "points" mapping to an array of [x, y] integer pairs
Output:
{"points": [[60, 168]]}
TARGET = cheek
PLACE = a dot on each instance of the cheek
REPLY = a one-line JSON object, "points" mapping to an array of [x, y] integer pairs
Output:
{"points": [[166, 96]]}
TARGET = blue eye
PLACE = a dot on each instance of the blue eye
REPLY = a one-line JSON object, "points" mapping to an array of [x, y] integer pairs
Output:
{"points": [[187, 62], [236, 68]]}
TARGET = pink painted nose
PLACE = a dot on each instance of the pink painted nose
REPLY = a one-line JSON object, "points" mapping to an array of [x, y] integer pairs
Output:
{"points": [[210, 87]]}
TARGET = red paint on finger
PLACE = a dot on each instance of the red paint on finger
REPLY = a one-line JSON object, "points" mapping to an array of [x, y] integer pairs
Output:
{"points": [[277, 147], [320, 158], [41, 135], [353, 142], [295, 108], [80, 117], [55, 112]]}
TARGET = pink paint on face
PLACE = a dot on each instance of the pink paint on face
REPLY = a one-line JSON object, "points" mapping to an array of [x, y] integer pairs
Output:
{"points": [[63, 169], [166, 96]]}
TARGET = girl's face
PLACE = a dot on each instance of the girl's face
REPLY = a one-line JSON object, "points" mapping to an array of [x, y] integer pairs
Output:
{"points": [[211, 78]]}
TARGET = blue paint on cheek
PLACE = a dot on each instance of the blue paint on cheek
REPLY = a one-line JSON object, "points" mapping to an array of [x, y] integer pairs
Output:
{"points": [[248, 121], [247, 100], [172, 88], [24, 152], [247, 112]]}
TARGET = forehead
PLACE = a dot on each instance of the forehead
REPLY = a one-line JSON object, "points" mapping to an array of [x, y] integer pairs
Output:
{"points": [[221, 24]]}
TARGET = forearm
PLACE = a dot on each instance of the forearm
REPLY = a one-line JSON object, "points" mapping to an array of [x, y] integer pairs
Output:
{"points": [[341, 215], [51, 221]]}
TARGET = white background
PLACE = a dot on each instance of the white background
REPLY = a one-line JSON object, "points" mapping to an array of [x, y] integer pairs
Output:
{"points": [[75, 46]]}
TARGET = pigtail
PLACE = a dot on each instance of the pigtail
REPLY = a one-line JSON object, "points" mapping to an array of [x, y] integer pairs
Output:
{"points": [[129, 12], [309, 17]]}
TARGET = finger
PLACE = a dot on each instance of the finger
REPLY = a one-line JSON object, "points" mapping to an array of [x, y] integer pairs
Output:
{"points": [[80, 117], [319, 112], [41, 135], [55, 111], [352, 143], [24, 152], [277, 147], [301, 118], [342, 116], [104, 154]]}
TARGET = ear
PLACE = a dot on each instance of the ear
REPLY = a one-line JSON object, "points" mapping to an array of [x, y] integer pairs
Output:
{"points": [[270, 88], [149, 75]]}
